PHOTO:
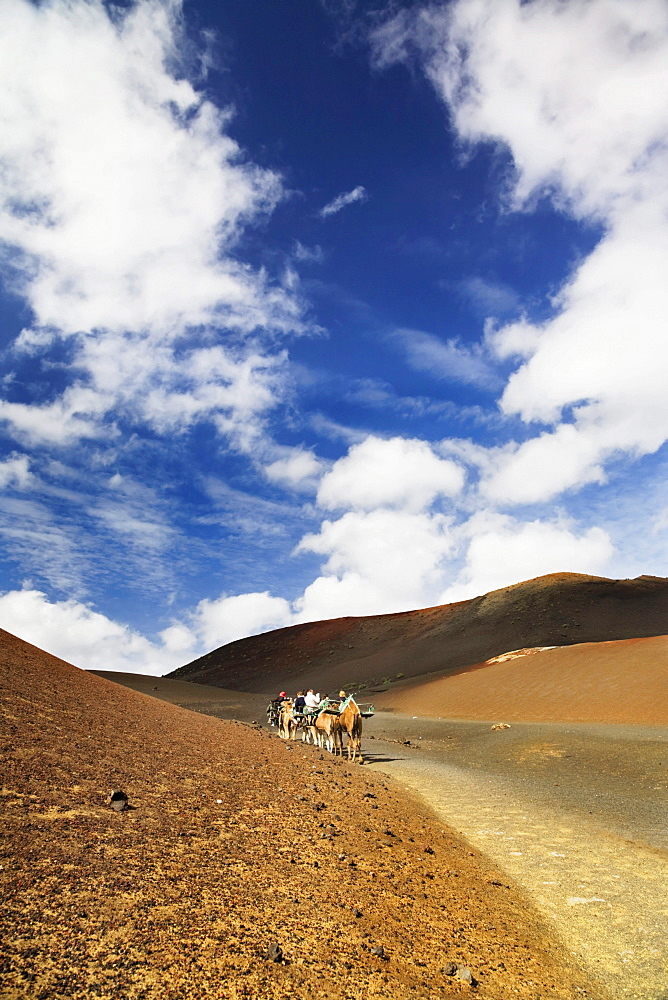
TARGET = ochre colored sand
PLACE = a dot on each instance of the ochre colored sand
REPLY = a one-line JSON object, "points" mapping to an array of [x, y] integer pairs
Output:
{"points": [[234, 840], [613, 682]]}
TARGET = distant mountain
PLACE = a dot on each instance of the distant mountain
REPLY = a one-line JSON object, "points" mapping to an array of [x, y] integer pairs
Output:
{"points": [[560, 609]]}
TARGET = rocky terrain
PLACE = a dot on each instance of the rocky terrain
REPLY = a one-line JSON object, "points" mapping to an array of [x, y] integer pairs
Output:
{"points": [[243, 867], [561, 609]]}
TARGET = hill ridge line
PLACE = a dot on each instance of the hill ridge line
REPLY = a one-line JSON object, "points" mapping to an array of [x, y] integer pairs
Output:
{"points": [[369, 651]]}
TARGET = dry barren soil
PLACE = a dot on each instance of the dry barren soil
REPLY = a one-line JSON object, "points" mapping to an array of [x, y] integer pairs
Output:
{"points": [[234, 843], [560, 609], [623, 682]]}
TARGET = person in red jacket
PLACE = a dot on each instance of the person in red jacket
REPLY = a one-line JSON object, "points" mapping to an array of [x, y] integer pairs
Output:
{"points": [[274, 707]]}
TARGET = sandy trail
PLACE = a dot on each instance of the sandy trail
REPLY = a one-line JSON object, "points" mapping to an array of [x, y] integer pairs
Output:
{"points": [[588, 845]]}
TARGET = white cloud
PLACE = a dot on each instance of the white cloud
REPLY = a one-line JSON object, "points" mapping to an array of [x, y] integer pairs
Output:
{"points": [[179, 639], [229, 618], [389, 551], [448, 359], [309, 255], [119, 183], [15, 471], [76, 633], [41, 546], [577, 92], [378, 561], [489, 298], [575, 89], [121, 200], [141, 530], [74, 416], [542, 467], [502, 551], [298, 469], [398, 472], [343, 200]]}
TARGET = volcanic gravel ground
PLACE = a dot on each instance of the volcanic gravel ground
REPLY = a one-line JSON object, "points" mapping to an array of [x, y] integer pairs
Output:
{"points": [[588, 847], [233, 841]]}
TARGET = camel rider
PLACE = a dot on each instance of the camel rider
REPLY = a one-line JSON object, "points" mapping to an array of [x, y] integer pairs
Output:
{"points": [[300, 701], [311, 702], [274, 708]]}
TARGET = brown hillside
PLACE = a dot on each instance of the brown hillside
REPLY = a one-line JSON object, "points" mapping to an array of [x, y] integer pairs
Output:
{"points": [[233, 841], [555, 610], [615, 682]]}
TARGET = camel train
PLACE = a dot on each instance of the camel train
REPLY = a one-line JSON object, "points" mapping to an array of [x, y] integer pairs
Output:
{"points": [[326, 727]]}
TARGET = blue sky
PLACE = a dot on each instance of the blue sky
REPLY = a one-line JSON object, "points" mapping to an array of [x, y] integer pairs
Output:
{"points": [[324, 308]]}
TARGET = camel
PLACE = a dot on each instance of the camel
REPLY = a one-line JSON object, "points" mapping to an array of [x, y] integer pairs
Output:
{"points": [[287, 724], [350, 721], [310, 732], [328, 728]]}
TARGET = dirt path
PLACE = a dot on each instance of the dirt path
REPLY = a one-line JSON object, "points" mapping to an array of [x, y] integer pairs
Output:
{"points": [[598, 872]]}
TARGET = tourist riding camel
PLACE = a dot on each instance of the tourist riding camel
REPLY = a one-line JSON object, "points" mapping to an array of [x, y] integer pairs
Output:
{"points": [[312, 700], [274, 708]]}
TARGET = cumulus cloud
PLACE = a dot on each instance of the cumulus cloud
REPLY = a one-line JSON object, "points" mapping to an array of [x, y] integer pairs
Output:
{"points": [[502, 551], [90, 640], [120, 187], [121, 201], [297, 469], [343, 200], [542, 467], [389, 549], [398, 473], [229, 618], [577, 93], [84, 637], [378, 561], [75, 416], [558, 83]]}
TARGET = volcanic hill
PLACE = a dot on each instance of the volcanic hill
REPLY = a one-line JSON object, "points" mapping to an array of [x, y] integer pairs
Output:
{"points": [[243, 868], [560, 609]]}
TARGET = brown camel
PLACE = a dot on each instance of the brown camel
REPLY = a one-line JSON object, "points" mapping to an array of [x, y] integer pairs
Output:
{"points": [[350, 721], [287, 724], [328, 728], [310, 732]]}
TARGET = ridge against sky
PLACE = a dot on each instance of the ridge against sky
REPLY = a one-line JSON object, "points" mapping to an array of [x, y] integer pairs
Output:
{"points": [[320, 309]]}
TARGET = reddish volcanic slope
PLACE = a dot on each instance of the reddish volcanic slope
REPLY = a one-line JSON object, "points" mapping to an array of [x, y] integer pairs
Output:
{"points": [[556, 610], [613, 682], [234, 840]]}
